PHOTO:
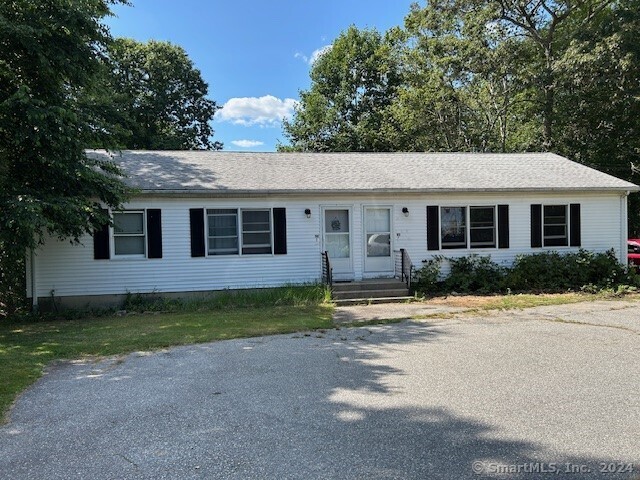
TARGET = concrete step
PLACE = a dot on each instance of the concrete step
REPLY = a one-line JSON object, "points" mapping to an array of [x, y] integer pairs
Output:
{"points": [[374, 284], [387, 292], [368, 301], [375, 290]]}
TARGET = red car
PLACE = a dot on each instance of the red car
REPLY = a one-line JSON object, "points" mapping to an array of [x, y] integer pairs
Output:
{"points": [[633, 251]]}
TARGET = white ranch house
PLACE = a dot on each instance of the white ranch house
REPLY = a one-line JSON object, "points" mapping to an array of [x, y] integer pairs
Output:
{"points": [[206, 221]]}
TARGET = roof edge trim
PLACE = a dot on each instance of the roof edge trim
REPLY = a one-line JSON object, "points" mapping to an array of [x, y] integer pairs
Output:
{"points": [[261, 193]]}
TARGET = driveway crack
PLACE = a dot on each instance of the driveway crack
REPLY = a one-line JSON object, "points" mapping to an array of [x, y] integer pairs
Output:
{"points": [[128, 460], [588, 324]]}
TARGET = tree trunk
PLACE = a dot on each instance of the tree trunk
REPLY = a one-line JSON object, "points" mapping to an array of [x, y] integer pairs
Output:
{"points": [[549, 96]]}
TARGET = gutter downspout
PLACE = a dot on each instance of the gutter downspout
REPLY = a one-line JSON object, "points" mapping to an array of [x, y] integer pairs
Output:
{"points": [[34, 283]]}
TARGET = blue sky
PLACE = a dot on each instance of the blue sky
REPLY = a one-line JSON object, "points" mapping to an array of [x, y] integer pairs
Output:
{"points": [[255, 55]]}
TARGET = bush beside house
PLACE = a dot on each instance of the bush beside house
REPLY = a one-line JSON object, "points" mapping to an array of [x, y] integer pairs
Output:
{"points": [[548, 272]]}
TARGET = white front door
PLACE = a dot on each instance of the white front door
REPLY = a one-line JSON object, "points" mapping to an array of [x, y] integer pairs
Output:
{"points": [[377, 236], [337, 241]]}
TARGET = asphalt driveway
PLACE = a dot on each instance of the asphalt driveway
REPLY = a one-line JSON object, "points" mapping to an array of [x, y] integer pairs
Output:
{"points": [[554, 390]]}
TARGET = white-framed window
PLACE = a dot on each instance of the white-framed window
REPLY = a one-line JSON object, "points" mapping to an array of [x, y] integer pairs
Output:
{"points": [[129, 234], [256, 231], [482, 227], [474, 226], [453, 227], [555, 225], [222, 237], [232, 231]]}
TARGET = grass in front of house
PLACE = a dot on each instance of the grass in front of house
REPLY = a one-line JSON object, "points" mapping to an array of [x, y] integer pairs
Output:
{"points": [[292, 295], [27, 347]]}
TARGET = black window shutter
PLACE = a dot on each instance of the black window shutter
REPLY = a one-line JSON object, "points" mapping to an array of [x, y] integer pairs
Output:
{"points": [[536, 226], [574, 227], [433, 228], [196, 217], [503, 226], [279, 231], [154, 233], [101, 242]]}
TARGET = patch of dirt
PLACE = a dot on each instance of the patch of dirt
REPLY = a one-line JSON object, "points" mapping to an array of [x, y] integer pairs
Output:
{"points": [[465, 301], [479, 301]]}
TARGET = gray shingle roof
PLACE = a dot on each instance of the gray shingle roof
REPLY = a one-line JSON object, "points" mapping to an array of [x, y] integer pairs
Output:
{"points": [[203, 172]]}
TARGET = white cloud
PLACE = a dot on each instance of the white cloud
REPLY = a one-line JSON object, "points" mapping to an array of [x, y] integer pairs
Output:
{"points": [[318, 53], [314, 55], [265, 111], [247, 143], [302, 56]]}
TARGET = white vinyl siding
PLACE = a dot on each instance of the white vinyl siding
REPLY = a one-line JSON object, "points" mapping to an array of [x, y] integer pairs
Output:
{"points": [[70, 270]]}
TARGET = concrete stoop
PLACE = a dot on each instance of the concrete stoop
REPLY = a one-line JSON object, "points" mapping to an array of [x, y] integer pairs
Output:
{"points": [[378, 290]]}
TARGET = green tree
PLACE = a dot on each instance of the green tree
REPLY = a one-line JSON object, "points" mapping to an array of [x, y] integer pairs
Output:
{"points": [[599, 95], [50, 54], [464, 81], [542, 23], [160, 96], [352, 85], [507, 52]]}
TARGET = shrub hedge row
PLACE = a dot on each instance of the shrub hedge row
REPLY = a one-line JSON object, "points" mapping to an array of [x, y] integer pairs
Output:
{"points": [[547, 272]]}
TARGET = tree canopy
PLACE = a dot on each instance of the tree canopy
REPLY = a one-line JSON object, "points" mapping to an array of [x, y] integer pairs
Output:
{"points": [[66, 85], [50, 58], [353, 83], [488, 75], [158, 97]]}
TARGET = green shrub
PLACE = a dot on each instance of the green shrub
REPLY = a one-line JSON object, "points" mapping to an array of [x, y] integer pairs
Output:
{"points": [[602, 269], [12, 284], [555, 272], [426, 279], [547, 271], [474, 274], [540, 272]]}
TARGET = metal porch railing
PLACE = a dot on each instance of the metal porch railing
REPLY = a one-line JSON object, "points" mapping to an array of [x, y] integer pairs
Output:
{"points": [[327, 270], [404, 267]]}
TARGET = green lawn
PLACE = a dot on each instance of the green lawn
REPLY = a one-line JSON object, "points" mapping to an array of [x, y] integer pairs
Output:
{"points": [[27, 347]]}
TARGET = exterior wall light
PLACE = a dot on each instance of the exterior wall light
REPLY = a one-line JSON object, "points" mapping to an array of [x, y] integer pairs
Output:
{"points": [[405, 211], [307, 212]]}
